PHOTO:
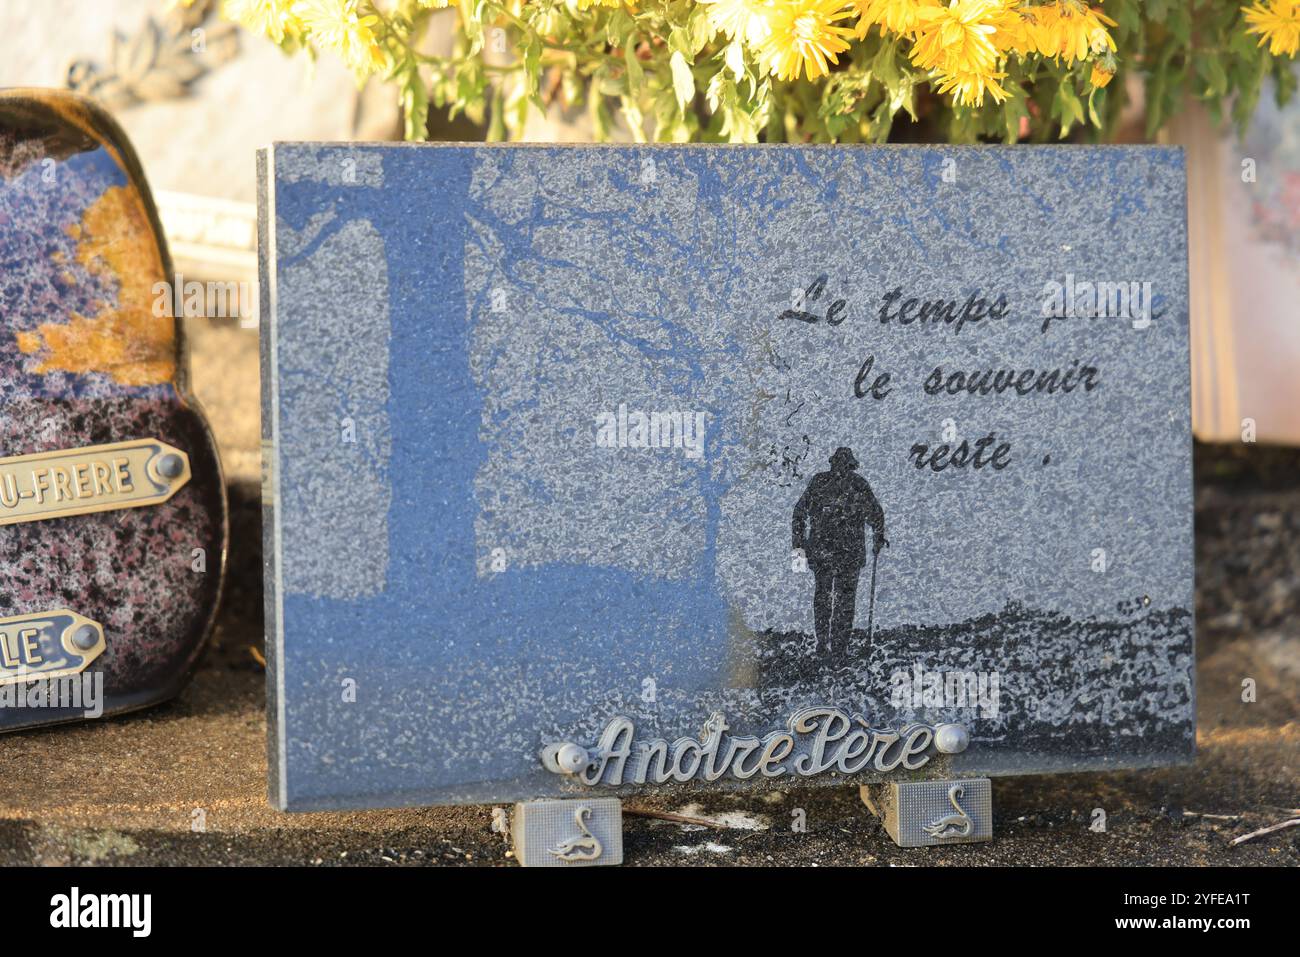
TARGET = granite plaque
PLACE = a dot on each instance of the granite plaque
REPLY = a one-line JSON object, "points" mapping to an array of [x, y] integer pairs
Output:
{"points": [[601, 470]]}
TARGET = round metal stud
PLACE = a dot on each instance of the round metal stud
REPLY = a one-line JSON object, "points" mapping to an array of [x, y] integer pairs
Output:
{"points": [[571, 758], [951, 739], [170, 466], [85, 637]]}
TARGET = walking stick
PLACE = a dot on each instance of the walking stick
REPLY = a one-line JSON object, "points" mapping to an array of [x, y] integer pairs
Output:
{"points": [[871, 604]]}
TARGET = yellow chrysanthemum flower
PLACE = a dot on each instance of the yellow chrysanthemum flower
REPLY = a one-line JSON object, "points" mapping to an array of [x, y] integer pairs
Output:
{"points": [[1100, 76], [957, 39], [1011, 26], [744, 20], [1278, 24], [895, 16], [1064, 31], [588, 4], [969, 88], [268, 18], [964, 44], [335, 25], [804, 35]]}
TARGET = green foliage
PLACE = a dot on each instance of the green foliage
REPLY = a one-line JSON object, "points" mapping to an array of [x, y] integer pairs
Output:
{"points": [[656, 70]]}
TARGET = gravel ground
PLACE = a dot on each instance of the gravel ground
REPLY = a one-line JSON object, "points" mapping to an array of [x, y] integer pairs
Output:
{"points": [[185, 783]]}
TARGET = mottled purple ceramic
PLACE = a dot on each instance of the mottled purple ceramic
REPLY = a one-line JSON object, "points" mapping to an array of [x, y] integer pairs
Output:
{"points": [[85, 361]]}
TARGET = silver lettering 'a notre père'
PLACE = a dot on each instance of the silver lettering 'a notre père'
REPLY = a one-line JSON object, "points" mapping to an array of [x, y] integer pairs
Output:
{"points": [[816, 740]]}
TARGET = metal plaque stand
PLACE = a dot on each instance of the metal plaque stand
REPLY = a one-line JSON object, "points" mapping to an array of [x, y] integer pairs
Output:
{"points": [[582, 832], [929, 813]]}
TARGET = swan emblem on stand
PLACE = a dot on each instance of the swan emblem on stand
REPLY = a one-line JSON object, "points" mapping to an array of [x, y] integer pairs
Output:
{"points": [[585, 847], [952, 825]]}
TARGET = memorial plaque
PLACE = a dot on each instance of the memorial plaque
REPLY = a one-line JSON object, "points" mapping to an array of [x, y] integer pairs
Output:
{"points": [[83, 481], [53, 645], [602, 470]]}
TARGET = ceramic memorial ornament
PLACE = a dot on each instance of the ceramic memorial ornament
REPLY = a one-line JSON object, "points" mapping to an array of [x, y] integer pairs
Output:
{"points": [[613, 470], [112, 508]]}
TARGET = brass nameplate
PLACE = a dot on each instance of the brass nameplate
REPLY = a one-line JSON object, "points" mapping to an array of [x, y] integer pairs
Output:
{"points": [[92, 479], [47, 644]]}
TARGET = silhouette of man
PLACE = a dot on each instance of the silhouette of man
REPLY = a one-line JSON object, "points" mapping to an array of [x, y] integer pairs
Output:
{"points": [[829, 525]]}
